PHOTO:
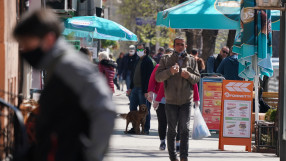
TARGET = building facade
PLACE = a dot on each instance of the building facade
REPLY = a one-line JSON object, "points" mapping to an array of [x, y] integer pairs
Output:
{"points": [[9, 57]]}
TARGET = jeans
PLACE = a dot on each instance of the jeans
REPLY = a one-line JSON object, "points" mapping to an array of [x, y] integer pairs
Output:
{"points": [[128, 79], [178, 115], [120, 81], [137, 98]]}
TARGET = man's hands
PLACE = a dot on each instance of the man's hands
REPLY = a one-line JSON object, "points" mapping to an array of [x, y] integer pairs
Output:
{"points": [[185, 74], [175, 69]]}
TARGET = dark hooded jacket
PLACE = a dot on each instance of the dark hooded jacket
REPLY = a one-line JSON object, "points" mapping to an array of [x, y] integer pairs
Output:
{"points": [[76, 114], [229, 68], [127, 65]]}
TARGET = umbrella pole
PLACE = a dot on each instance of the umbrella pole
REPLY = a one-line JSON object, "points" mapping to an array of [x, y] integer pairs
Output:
{"points": [[256, 81], [256, 78]]}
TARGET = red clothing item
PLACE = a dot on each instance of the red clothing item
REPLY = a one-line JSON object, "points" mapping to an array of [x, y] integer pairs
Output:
{"points": [[196, 93], [161, 94], [108, 71], [153, 85]]}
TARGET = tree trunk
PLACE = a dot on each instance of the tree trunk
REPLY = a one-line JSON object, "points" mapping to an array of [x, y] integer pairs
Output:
{"points": [[230, 38], [198, 40], [190, 40], [209, 39]]}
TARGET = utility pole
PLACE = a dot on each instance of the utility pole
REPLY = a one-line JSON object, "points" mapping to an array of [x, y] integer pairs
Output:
{"points": [[98, 12], [98, 5]]}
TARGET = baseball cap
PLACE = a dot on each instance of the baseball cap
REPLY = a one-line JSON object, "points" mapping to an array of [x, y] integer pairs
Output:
{"points": [[132, 47]]}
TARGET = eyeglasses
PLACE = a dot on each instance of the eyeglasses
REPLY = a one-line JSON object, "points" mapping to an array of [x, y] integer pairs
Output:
{"points": [[180, 44], [140, 49], [225, 52]]}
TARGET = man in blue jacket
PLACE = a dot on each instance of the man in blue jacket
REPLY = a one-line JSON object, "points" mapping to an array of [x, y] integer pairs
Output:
{"points": [[229, 67], [139, 83]]}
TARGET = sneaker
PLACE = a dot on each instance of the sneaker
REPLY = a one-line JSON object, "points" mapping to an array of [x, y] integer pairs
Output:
{"points": [[131, 131], [178, 149], [162, 146]]}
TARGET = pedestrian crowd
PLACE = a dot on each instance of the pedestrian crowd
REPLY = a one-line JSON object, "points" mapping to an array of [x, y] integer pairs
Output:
{"points": [[76, 113]]}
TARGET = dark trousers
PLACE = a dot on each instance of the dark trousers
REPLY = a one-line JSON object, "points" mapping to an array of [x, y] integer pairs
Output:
{"points": [[137, 98], [178, 115], [162, 123]]}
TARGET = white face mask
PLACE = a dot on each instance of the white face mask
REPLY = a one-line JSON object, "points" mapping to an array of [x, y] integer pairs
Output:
{"points": [[131, 52], [140, 53]]}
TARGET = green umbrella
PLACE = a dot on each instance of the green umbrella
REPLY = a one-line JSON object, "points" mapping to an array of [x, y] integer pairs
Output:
{"points": [[96, 27], [206, 14], [253, 44], [254, 40]]}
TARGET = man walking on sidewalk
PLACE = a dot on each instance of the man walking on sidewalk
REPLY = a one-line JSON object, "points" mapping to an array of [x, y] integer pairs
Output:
{"points": [[76, 113], [127, 65], [139, 83], [179, 72]]}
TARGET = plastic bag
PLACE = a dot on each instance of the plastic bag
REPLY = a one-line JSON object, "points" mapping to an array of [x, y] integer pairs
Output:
{"points": [[200, 129]]}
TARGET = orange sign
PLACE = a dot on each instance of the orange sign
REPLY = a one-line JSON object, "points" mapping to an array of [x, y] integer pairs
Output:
{"points": [[235, 122], [211, 109]]}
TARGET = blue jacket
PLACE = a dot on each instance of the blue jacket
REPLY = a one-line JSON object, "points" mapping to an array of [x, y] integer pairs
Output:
{"points": [[213, 63], [229, 68], [210, 64]]}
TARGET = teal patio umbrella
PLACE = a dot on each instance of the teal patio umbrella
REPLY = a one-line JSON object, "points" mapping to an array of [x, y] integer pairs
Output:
{"points": [[206, 14], [253, 43], [98, 28]]}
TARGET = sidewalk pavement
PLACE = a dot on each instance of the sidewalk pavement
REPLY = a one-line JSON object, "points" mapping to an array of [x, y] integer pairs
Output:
{"points": [[126, 147]]}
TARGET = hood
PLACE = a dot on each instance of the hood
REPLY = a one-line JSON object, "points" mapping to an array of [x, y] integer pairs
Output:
{"points": [[233, 59], [109, 63]]}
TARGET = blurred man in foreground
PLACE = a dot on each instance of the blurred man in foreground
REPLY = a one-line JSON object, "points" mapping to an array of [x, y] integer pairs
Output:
{"points": [[76, 115]]}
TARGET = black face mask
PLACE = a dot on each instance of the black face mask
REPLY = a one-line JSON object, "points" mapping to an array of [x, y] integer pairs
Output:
{"points": [[33, 57]]}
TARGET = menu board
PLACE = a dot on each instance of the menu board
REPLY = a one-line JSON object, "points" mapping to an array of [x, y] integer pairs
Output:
{"points": [[237, 118], [211, 109]]}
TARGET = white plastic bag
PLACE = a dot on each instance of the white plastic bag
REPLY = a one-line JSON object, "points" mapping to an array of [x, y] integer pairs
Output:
{"points": [[200, 129]]}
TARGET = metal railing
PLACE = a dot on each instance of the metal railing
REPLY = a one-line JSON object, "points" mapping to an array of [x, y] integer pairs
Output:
{"points": [[13, 136]]}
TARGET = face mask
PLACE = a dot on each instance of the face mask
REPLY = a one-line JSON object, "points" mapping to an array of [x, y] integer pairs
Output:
{"points": [[132, 52], [140, 53], [33, 57]]}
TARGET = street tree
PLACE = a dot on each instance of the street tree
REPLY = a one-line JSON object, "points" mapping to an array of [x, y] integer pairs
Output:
{"points": [[146, 11]]}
